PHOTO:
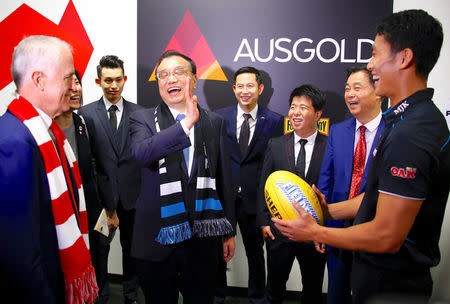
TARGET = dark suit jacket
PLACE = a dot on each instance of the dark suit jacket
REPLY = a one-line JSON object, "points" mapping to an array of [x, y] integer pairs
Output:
{"points": [[118, 174], [337, 166], [148, 147], [85, 164], [246, 169], [280, 155], [29, 255]]}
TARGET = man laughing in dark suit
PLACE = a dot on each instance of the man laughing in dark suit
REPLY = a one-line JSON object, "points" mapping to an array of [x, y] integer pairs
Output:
{"points": [[300, 152], [184, 206]]}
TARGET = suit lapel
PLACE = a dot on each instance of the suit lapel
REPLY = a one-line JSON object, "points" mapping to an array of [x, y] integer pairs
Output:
{"points": [[104, 121], [259, 127], [290, 151], [316, 159], [374, 144], [347, 146], [122, 131], [232, 122]]}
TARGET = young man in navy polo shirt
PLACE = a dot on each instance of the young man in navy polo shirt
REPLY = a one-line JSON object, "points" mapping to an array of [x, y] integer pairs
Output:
{"points": [[398, 219]]}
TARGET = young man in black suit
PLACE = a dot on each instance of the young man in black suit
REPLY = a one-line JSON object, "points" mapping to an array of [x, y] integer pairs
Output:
{"points": [[247, 139], [118, 174], [299, 152]]}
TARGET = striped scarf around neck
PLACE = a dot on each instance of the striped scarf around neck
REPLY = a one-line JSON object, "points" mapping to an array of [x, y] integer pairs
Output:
{"points": [[71, 224], [206, 218]]}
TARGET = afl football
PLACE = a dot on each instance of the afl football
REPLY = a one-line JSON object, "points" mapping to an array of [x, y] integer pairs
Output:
{"points": [[282, 188]]}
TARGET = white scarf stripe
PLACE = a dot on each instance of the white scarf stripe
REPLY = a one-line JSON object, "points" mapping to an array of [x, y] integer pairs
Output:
{"points": [[86, 239], [81, 199], [162, 170], [56, 178], [206, 183], [37, 128], [56, 181], [69, 232], [170, 188]]}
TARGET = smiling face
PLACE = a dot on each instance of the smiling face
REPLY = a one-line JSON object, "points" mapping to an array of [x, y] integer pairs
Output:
{"points": [[303, 116], [172, 87], [247, 91], [75, 97], [360, 97], [384, 66], [112, 81], [59, 85]]}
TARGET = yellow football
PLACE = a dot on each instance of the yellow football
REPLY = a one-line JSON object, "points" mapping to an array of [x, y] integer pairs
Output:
{"points": [[282, 188]]}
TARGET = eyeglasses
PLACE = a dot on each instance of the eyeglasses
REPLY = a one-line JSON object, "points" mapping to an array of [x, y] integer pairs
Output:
{"points": [[177, 72]]}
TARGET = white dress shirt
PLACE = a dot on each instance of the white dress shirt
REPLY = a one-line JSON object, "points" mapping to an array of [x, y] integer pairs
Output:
{"points": [[119, 111], [371, 131], [309, 147], [189, 133], [251, 122]]}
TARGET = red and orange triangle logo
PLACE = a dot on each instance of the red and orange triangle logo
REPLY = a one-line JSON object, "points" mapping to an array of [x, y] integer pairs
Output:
{"points": [[190, 41]]}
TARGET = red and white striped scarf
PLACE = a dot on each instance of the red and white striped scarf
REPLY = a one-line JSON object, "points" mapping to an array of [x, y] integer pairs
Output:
{"points": [[71, 224]]}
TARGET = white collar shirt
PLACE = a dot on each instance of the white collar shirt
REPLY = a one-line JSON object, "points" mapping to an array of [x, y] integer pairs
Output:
{"points": [[119, 111], [251, 122], [309, 147], [371, 131]]}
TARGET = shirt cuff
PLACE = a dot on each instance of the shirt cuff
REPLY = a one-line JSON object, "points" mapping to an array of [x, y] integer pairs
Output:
{"points": [[185, 128]]}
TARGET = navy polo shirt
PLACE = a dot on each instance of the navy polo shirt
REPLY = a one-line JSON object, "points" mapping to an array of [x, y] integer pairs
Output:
{"points": [[412, 160]]}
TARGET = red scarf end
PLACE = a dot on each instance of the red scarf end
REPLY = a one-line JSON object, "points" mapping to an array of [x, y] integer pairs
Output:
{"points": [[84, 289]]}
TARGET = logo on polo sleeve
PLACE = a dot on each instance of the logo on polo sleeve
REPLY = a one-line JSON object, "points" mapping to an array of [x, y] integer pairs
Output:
{"points": [[407, 172]]}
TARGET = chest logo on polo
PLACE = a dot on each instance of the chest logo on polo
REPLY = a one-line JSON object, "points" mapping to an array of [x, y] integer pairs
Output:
{"points": [[402, 107], [407, 172]]}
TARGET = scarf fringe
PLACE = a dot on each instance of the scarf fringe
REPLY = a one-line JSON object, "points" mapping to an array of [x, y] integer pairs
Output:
{"points": [[174, 234], [84, 289], [212, 227]]}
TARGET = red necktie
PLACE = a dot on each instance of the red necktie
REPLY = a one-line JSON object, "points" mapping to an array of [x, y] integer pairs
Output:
{"points": [[359, 159], [59, 138]]}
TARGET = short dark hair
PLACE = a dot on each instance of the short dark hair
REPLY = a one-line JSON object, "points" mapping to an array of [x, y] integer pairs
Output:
{"points": [[251, 70], [111, 62], [171, 53], [311, 92], [77, 75], [417, 30], [361, 68]]}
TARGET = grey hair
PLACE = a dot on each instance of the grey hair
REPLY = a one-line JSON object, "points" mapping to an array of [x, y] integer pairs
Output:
{"points": [[35, 52]]}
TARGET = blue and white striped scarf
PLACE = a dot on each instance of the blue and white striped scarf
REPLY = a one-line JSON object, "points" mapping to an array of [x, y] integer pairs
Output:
{"points": [[181, 221]]}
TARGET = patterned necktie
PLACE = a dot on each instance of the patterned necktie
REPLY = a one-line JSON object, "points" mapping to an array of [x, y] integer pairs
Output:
{"points": [[113, 117], [301, 159], [244, 135], [179, 118], [359, 160]]}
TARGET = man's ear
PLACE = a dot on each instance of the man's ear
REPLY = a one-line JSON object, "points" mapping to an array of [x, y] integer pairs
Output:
{"points": [[38, 80], [318, 114], [260, 89], [407, 58], [97, 81]]}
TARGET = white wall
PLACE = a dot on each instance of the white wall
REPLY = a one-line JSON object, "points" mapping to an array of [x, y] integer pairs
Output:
{"points": [[112, 27]]}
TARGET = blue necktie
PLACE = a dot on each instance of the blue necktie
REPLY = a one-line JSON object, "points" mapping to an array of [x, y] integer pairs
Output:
{"points": [[180, 117]]}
